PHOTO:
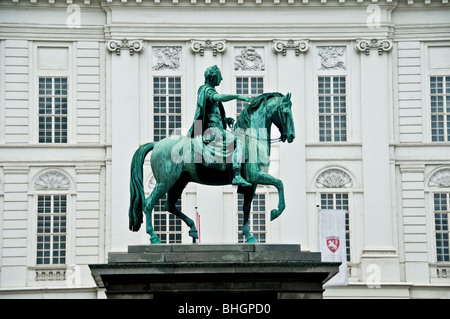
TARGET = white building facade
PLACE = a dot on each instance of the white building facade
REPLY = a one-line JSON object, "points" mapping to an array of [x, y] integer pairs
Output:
{"points": [[84, 83]]}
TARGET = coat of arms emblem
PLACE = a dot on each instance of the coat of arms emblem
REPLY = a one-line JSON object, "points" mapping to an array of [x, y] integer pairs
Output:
{"points": [[333, 243]]}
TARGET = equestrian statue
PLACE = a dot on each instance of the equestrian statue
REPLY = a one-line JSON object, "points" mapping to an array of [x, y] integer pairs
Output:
{"points": [[212, 155]]}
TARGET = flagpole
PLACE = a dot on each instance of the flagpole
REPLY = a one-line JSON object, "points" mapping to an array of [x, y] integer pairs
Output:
{"points": [[197, 219], [318, 220]]}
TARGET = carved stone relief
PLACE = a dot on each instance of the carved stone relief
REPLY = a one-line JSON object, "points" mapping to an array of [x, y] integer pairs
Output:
{"points": [[440, 178], [333, 178], [166, 58], [249, 59], [332, 58], [52, 180]]}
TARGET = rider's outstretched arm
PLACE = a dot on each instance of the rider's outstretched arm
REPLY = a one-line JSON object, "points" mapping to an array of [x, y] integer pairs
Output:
{"points": [[229, 97]]}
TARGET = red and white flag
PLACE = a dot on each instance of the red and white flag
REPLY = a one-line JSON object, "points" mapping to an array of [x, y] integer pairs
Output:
{"points": [[332, 243]]}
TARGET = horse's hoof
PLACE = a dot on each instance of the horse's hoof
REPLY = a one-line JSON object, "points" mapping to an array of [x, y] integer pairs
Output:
{"points": [[155, 240], [193, 234], [274, 214], [252, 240]]}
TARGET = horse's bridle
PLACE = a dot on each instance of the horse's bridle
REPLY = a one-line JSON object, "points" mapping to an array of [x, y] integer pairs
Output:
{"points": [[280, 111]]}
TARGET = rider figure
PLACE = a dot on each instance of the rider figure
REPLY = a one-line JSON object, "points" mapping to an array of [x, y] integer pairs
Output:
{"points": [[211, 113]]}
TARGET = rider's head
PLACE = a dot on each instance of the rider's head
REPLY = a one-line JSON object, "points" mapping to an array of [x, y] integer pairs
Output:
{"points": [[213, 75]]}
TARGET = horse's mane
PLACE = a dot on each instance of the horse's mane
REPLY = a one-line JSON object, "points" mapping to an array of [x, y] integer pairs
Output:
{"points": [[243, 121]]}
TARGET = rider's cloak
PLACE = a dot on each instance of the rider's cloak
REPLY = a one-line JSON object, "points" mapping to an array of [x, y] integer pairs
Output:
{"points": [[205, 105]]}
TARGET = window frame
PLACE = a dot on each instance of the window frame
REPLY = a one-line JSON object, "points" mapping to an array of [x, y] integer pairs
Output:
{"points": [[350, 71], [434, 231], [176, 130], [52, 274], [52, 234], [332, 114], [34, 74], [434, 183], [445, 113], [53, 115]]}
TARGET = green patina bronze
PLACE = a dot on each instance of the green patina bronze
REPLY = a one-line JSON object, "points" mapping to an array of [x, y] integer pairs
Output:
{"points": [[213, 155]]}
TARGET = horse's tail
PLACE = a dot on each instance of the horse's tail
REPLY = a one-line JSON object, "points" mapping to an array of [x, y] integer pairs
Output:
{"points": [[137, 194]]}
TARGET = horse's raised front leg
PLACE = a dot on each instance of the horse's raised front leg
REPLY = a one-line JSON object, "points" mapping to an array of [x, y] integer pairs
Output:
{"points": [[266, 179], [248, 197]]}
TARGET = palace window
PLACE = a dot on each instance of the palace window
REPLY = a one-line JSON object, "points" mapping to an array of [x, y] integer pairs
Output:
{"points": [[166, 225], [52, 110], [338, 201], [441, 206], [257, 218], [248, 86], [166, 106], [51, 229], [440, 108], [332, 108]]}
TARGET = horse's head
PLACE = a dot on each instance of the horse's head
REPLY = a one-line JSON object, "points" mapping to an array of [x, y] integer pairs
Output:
{"points": [[282, 118]]}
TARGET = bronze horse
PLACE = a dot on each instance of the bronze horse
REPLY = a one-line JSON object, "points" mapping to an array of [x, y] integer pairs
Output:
{"points": [[174, 164]]}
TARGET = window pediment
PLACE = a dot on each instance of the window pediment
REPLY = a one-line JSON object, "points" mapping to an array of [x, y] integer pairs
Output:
{"points": [[52, 180], [440, 178], [333, 178]]}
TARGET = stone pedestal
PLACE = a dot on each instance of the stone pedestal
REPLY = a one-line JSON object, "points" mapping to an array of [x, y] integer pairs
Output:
{"points": [[203, 271]]}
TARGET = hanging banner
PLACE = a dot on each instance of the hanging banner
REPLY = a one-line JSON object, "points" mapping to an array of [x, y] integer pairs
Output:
{"points": [[333, 244]]}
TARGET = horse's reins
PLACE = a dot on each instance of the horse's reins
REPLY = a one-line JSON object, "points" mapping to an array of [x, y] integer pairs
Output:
{"points": [[270, 140]]}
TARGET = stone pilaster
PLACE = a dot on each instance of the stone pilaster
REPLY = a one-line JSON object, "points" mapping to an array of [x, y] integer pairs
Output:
{"points": [[124, 88], [380, 247], [291, 80]]}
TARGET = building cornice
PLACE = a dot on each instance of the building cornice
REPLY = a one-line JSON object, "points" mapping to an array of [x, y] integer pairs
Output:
{"points": [[51, 32], [184, 32], [233, 2], [108, 25]]}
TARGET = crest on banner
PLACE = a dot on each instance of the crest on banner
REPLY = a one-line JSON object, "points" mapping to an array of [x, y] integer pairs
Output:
{"points": [[333, 243]]}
